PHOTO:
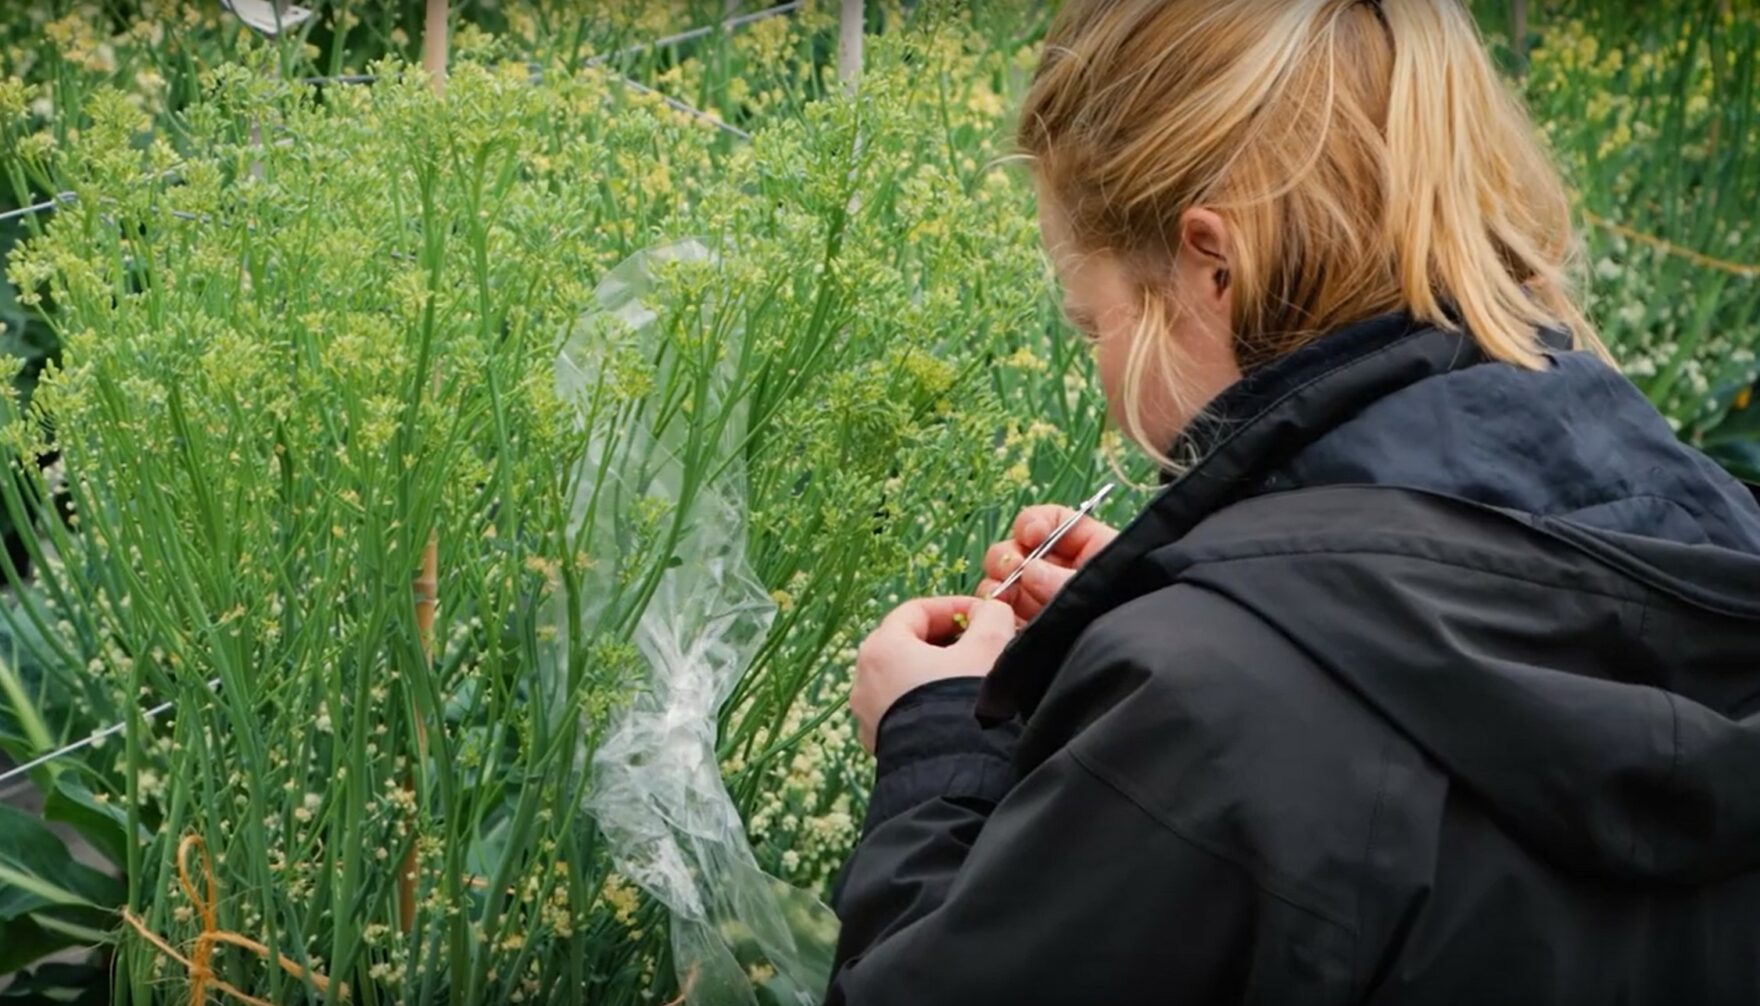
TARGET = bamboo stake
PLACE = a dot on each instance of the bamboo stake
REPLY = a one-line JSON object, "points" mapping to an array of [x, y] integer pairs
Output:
{"points": [[849, 45], [434, 46], [425, 586]]}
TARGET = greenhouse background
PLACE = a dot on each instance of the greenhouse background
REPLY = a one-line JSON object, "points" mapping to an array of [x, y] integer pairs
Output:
{"points": [[382, 369]]}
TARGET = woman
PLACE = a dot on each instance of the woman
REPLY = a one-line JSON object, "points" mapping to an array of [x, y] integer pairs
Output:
{"points": [[1432, 678]]}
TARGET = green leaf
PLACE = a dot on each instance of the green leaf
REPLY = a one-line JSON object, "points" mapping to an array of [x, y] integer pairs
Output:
{"points": [[23, 941], [23, 711], [87, 927], [1735, 442], [42, 702], [104, 825], [1740, 458], [36, 870], [60, 984]]}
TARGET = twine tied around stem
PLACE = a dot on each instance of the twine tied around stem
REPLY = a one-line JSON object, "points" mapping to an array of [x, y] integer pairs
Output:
{"points": [[197, 964], [1670, 248]]}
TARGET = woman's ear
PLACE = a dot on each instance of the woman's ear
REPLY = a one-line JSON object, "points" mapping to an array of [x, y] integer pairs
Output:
{"points": [[1204, 247]]}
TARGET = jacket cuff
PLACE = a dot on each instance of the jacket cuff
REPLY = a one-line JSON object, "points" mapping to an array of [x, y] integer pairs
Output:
{"points": [[930, 745]]}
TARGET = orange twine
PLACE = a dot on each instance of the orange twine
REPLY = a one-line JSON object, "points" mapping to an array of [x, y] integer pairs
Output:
{"points": [[690, 979], [201, 972]]}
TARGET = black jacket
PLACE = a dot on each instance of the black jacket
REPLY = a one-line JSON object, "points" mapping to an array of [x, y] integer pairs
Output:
{"points": [[1436, 681]]}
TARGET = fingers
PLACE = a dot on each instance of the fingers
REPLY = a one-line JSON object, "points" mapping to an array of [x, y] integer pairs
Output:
{"points": [[1037, 586], [1033, 524], [989, 584], [1041, 582], [911, 647], [992, 624], [928, 618], [1001, 559], [933, 619], [1033, 591]]}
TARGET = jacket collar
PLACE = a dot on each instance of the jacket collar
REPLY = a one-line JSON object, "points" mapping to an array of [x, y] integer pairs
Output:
{"points": [[1253, 428]]}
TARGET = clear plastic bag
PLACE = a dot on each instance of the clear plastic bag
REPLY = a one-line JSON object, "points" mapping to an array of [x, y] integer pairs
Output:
{"points": [[739, 936]]}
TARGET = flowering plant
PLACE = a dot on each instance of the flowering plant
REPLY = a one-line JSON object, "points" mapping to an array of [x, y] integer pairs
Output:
{"points": [[331, 334]]}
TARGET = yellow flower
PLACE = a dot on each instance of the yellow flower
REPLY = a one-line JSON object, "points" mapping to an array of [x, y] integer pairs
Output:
{"points": [[617, 893], [15, 99], [1025, 359], [985, 102]]}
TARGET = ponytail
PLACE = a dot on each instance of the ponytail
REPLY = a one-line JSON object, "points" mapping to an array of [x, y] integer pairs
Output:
{"points": [[1365, 154], [1475, 210]]}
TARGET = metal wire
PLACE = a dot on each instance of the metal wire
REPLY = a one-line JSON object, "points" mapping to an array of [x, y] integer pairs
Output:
{"points": [[341, 78], [67, 198], [695, 33], [695, 113], [729, 24], [47, 204], [89, 740]]}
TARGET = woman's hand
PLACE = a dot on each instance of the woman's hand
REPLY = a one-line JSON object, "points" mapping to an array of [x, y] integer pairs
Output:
{"points": [[916, 644], [1046, 576]]}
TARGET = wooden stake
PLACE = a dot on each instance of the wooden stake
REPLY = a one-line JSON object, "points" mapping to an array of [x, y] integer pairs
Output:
{"points": [[849, 45], [434, 46], [426, 585], [426, 588]]}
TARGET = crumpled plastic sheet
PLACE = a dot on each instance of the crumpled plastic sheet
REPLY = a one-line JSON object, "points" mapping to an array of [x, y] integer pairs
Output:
{"points": [[739, 936]]}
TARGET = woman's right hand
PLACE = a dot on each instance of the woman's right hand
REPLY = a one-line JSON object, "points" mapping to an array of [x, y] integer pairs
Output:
{"points": [[1047, 574]]}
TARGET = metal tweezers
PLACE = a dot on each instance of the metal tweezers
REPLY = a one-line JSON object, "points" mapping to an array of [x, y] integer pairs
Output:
{"points": [[1051, 539]]}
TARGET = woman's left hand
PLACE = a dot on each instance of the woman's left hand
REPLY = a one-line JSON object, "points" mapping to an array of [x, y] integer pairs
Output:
{"points": [[920, 642]]}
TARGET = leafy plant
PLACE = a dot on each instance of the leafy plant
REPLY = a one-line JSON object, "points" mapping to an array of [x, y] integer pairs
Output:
{"points": [[332, 334]]}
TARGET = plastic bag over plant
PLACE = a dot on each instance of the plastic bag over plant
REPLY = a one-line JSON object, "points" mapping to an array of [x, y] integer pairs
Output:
{"points": [[697, 615]]}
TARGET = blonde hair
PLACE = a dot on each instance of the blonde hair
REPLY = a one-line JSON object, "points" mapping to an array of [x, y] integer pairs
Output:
{"points": [[1365, 154]]}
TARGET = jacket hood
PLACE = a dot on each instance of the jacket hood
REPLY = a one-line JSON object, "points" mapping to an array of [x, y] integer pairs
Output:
{"points": [[1523, 572]]}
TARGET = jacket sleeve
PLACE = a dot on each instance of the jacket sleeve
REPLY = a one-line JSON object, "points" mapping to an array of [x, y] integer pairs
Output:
{"points": [[1062, 889], [938, 775]]}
